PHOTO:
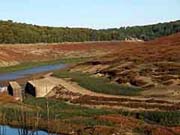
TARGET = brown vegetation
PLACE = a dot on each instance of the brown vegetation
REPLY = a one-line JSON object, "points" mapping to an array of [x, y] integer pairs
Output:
{"points": [[44, 52], [150, 65]]}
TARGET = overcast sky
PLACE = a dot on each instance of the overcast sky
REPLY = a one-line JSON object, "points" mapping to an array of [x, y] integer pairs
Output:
{"points": [[90, 13]]}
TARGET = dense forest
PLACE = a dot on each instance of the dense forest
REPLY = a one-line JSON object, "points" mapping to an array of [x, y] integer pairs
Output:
{"points": [[12, 32]]}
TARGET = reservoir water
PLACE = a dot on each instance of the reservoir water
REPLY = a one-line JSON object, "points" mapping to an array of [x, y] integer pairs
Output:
{"points": [[23, 73]]}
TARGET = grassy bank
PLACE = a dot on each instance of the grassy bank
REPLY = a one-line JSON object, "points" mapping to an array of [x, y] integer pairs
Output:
{"points": [[68, 113], [98, 84], [63, 110], [28, 65], [60, 117]]}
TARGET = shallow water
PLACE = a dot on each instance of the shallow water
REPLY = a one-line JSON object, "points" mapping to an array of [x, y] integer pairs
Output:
{"points": [[23, 73], [7, 130]]}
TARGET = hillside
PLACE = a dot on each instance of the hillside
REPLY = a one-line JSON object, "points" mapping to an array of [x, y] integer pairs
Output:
{"points": [[12, 32], [23, 53], [153, 65]]}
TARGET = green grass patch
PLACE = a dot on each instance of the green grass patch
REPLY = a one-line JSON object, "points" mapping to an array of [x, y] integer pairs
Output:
{"points": [[92, 122], [168, 118], [74, 60], [63, 110], [165, 118], [98, 84]]}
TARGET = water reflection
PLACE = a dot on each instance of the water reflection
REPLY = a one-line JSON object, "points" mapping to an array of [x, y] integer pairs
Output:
{"points": [[7, 130]]}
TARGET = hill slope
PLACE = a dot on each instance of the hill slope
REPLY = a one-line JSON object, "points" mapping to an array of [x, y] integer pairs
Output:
{"points": [[11, 32], [153, 65]]}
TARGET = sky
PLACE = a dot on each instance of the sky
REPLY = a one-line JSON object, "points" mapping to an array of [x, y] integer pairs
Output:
{"points": [[90, 13]]}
